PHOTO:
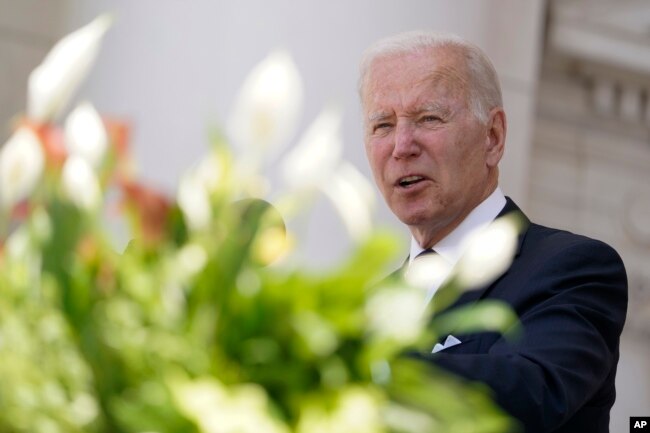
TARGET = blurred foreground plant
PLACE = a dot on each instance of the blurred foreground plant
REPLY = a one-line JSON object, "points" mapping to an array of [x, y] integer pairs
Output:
{"points": [[203, 322]]}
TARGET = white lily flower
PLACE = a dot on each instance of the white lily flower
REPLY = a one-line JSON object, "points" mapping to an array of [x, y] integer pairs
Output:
{"points": [[352, 196], [397, 314], [194, 201], [488, 253], [271, 245], [313, 160], [217, 409], [84, 408], [80, 183], [208, 172], [357, 411], [190, 260], [427, 271], [53, 82], [85, 134], [408, 419], [267, 107], [22, 161], [18, 244]]}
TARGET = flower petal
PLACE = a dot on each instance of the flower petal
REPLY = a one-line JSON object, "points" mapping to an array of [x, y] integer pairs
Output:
{"points": [[397, 314], [194, 201], [85, 134], [53, 82], [21, 164], [352, 196], [151, 208], [313, 160], [219, 409], [80, 183], [427, 271], [190, 260], [356, 410], [209, 172], [267, 107], [488, 253]]}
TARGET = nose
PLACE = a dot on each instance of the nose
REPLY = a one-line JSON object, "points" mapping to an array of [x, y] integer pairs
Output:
{"points": [[405, 145]]}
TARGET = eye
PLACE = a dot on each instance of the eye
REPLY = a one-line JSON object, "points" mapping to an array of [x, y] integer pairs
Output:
{"points": [[429, 118], [383, 126]]}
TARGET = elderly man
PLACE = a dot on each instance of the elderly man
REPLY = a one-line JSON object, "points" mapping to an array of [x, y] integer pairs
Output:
{"points": [[435, 132]]}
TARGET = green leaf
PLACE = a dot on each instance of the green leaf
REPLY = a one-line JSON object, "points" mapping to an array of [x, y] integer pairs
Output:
{"points": [[486, 315]]}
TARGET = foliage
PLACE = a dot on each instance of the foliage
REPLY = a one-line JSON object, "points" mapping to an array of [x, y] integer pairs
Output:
{"points": [[203, 322]]}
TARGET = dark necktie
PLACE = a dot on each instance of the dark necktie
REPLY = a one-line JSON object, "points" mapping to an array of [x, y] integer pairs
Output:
{"points": [[428, 270], [425, 252]]}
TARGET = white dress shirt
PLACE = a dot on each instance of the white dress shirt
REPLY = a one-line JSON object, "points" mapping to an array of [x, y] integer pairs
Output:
{"points": [[450, 247]]}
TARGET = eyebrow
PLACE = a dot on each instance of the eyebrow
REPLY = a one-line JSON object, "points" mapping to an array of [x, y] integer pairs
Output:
{"points": [[433, 106], [442, 110], [378, 116]]}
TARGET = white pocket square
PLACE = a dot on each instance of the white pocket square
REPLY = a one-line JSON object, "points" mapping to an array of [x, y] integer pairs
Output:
{"points": [[449, 342]]}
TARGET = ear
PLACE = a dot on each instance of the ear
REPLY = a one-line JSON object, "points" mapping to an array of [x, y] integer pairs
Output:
{"points": [[496, 136]]}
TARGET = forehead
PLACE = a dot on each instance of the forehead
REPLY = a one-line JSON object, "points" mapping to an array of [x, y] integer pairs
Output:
{"points": [[439, 72]]}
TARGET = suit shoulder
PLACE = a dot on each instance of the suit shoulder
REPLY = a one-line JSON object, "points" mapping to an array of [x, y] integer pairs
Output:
{"points": [[540, 240], [550, 241]]}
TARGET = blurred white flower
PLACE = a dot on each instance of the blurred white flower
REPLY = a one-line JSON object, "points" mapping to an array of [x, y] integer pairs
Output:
{"points": [[18, 244], [84, 408], [41, 225], [194, 191], [208, 172], [194, 201], [487, 253], [266, 110], [273, 244], [409, 420], [217, 409], [85, 134], [313, 160], [80, 183], [321, 339], [427, 271], [352, 196], [21, 165], [396, 314], [357, 411], [53, 82], [190, 260]]}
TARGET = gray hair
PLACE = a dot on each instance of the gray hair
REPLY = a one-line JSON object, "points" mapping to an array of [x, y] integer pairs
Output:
{"points": [[485, 91]]}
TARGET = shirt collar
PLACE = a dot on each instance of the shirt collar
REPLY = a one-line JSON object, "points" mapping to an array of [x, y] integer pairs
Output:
{"points": [[450, 247]]}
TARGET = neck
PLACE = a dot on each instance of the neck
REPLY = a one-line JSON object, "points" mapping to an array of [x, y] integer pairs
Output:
{"points": [[430, 234]]}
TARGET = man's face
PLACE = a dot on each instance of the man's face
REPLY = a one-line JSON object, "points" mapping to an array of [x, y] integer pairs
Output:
{"points": [[428, 153]]}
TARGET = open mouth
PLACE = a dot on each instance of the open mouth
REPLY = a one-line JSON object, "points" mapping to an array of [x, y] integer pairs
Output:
{"points": [[407, 181]]}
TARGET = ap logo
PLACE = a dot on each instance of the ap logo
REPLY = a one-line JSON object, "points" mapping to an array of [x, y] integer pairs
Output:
{"points": [[640, 424]]}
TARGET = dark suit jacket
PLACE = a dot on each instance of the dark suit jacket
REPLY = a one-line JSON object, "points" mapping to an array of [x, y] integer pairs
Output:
{"points": [[570, 293]]}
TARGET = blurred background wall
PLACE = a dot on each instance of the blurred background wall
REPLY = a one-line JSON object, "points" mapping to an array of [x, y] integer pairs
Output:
{"points": [[575, 76], [590, 155]]}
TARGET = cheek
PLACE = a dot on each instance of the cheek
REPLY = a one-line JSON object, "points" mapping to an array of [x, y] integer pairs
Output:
{"points": [[468, 168], [453, 164]]}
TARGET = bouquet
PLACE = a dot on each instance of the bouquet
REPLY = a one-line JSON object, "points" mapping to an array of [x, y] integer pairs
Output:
{"points": [[201, 318]]}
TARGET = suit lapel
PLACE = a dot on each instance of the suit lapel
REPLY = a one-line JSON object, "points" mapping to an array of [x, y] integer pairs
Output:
{"points": [[482, 292]]}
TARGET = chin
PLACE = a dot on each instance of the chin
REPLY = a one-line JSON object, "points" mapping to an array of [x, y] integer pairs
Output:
{"points": [[415, 217]]}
